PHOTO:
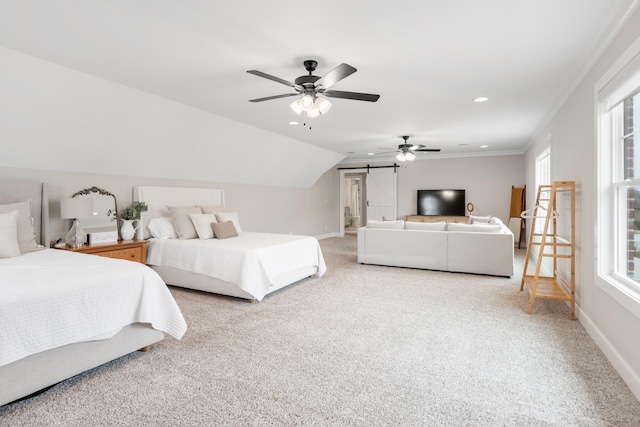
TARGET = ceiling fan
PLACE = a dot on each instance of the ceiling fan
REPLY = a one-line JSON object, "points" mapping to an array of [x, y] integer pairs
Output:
{"points": [[314, 89], [406, 151]]}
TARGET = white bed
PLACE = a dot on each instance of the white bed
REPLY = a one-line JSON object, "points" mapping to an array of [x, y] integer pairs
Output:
{"points": [[62, 313], [249, 266]]}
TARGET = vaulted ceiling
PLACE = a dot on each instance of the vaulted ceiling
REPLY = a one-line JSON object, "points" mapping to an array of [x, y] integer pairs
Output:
{"points": [[427, 60]]}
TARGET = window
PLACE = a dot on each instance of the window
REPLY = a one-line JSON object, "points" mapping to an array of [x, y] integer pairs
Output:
{"points": [[618, 175], [543, 175]]}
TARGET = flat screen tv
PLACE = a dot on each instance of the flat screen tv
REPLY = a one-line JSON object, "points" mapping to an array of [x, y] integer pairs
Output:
{"points": [[441, 202]]}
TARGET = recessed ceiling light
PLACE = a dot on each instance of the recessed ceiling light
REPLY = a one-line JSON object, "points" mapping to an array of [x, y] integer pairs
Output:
{"points": [[371, 154], [484, 146], [481, 99], [463, 145], [293, 123]]}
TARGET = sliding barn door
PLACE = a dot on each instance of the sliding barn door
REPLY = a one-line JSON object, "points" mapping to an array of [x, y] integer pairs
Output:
{"points": [[382, 194]]}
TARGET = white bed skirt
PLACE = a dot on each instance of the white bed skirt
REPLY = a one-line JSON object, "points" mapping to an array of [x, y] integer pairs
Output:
{"points": [[33, 373], [185, 279]]}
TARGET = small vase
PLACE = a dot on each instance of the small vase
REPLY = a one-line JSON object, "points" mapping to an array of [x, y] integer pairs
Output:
{"points": [[127, 230]]}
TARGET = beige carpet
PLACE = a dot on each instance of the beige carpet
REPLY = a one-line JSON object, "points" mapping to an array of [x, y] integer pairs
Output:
{"points": [[362, 346]]}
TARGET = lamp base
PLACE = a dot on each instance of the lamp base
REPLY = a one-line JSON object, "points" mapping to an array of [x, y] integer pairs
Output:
{"points": [[76, 237]]}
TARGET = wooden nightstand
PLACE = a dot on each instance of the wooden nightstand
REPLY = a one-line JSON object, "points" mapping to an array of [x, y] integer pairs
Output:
{"points": [[133, 250]]}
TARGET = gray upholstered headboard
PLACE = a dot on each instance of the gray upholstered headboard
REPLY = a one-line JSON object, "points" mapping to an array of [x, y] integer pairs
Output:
{"points": [[19, 191]]}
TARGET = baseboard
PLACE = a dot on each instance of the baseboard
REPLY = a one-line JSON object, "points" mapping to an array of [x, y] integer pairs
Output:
{"points": [[629, 376], [326, 236]]}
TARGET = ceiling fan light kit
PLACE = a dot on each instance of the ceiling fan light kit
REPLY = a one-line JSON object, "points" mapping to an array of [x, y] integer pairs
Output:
{"points": [[312, 87], [406, 152]]}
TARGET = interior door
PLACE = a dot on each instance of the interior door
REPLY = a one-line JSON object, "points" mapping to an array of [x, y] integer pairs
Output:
{"points": [[382, 194]]}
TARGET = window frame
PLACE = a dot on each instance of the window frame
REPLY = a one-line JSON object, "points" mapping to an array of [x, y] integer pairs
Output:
{"points": [[620, 82]]}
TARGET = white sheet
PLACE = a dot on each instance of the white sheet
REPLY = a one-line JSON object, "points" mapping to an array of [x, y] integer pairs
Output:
{"points": [[251, 260], [51, 298]]}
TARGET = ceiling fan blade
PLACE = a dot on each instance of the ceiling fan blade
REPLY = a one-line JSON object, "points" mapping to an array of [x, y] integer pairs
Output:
{"points": [[268, 98], [335, 75], [387, 152], [433, 150], [275, 79], [352, 95]]}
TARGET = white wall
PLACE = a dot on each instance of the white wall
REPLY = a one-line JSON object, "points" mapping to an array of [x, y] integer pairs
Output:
{"points": [[309, 211], [573, 157], [487, 181], [55, 118]]}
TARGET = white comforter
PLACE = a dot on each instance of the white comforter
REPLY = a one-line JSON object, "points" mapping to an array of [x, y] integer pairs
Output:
{"points": [[251, 260], [51, 298]]}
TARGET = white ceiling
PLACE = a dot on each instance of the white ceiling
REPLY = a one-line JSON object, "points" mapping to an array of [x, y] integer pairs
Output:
{"points": [[427, 59]]}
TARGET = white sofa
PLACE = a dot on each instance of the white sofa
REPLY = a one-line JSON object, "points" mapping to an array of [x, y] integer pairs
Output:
{"points": [[483, 247]]}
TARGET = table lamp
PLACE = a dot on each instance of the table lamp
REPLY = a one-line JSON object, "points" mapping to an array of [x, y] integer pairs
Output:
{"points": [[74, 208]]}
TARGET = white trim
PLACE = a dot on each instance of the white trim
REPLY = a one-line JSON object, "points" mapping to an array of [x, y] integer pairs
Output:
{"points": [[619, 363]]}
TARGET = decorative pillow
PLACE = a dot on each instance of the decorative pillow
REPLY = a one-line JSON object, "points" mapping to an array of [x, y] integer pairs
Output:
{"points": [[229, 216], [495, 221], [211, 209], [9, 235], [390, 225], [202, 224], [162, 228], [182, 221], [26, 235], [479, 219], [431, 226], [474, 228], [224, 230]]}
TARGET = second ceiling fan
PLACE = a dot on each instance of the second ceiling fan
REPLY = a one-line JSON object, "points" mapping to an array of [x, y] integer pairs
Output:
{"points": [[406, 151], [315, 89]]}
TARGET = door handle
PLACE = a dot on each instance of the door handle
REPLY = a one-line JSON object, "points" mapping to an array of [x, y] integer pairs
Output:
{"points": [[367, 203]]}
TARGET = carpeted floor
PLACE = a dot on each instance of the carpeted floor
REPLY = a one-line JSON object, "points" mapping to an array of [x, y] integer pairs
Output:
{"points": [[361, 346]]}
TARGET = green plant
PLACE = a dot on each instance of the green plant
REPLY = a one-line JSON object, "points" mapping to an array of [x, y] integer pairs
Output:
{"points": [[134, 210]]}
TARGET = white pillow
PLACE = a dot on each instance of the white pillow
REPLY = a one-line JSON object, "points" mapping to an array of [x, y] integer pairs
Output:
{"points": [[479, 219], [431, 226], [162, 228], [202, 224], [495, 221], [9, 235], [26, 235], [474, 228], [390, 225], [229, 216]]}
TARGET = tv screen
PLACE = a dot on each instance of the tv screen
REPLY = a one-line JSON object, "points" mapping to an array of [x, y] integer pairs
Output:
{"points": [[441, 202]]}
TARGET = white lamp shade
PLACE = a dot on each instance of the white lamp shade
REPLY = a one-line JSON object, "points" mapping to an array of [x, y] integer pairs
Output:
{"points": [[313, 113], [409, 156], [306, 102], [76, 207], [323, 104], [401, 157], [295, 106]]}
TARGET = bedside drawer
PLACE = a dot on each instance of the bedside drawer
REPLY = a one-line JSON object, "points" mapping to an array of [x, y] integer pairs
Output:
{"points": [[134, 254]]}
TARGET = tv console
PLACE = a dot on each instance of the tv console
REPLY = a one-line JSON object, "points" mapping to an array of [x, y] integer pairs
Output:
{"points": [[436, 218]]}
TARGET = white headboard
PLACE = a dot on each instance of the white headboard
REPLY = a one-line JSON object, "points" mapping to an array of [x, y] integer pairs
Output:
{"points": [[158, 198], [20, 191]]}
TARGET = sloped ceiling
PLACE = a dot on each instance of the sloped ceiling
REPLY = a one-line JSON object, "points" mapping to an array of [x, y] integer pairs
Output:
{"points": [[427, 60]]}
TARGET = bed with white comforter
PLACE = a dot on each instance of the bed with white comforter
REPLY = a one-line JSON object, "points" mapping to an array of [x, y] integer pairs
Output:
{"points": [[255, 262], [51, 298]]}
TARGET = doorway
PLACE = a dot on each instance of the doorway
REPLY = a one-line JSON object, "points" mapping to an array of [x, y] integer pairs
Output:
{"points": [[367, 194]]}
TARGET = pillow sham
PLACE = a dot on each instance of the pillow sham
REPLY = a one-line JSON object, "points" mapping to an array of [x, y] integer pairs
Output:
{"points": [[26, 235], [229, 216], [182, 221], [162, 228], [391, 225], [431, 226], [211, 209], [479, 219], [202, 223], [9, 235], [224, 230]]}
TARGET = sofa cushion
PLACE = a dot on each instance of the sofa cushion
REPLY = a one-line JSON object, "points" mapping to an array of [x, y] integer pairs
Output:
{"points": [[473, 219], [474, 228], [431, 226], [495, 221], [389, 225]]}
